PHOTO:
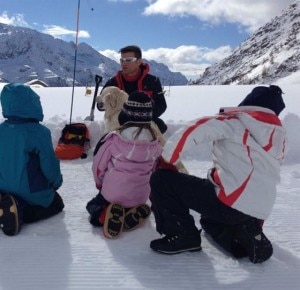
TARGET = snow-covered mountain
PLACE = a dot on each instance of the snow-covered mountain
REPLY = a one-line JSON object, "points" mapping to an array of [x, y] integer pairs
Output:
{"points": [[26, 54], [270, 54]]}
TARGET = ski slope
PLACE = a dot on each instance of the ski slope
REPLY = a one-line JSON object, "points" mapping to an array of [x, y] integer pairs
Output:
{"points": [[66, 252]]}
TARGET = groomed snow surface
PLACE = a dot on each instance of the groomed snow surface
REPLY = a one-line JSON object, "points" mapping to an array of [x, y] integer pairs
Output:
{"points": [[66, 252]]}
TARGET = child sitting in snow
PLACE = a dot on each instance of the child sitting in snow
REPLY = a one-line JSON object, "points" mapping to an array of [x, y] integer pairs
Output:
{"points": [[122, 167], [29, 170]]}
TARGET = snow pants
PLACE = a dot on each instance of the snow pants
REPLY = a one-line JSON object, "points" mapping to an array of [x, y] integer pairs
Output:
{"points": [[174, 194], [33, 213], [95, 207]]}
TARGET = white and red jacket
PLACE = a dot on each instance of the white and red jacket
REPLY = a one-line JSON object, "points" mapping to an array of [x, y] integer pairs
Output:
{"points": [[248, 147], [122, 166]]}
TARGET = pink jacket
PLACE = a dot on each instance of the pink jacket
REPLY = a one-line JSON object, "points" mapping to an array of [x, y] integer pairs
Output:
{"points": [[248, 147], [122, 167]]}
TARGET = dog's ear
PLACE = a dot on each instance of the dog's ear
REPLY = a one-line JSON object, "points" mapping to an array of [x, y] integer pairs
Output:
{"points": [[122, 97], [105, 92], [110, 100]]}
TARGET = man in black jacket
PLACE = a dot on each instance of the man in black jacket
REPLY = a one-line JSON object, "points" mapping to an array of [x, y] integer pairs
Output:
{"points": [[134, 75]]}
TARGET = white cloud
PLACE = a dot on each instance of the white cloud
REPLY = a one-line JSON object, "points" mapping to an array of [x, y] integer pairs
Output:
{"points": [[60, 32], [16, 20], [114, 55], [251, 14], [189, 60], [215, 55], [54, 30]]}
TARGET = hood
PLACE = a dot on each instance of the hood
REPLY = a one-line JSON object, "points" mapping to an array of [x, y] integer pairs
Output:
{"points": [[145, 68], [259, 122], [140, 150], [19, 100]]}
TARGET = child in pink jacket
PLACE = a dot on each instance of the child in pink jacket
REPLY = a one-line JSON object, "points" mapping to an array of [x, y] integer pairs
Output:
{"points": [[122, 167]]}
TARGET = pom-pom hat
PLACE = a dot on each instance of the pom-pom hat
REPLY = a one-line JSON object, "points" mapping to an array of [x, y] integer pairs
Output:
{"points": [[267, 97], [137, 109]]}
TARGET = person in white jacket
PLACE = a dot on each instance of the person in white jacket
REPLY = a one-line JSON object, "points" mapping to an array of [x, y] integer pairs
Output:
{"points": [[248, 146]]}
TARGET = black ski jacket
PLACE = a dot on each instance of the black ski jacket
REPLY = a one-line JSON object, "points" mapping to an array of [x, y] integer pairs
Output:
{"points": [[147, 83]]}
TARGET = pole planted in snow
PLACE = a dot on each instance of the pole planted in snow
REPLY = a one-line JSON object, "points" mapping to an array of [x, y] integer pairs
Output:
{"points": [[75, 59]]}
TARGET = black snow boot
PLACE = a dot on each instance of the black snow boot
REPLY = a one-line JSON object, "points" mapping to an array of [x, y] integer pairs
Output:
{"points": [[9, 215], [175, 244], [251, 237], [224, 236]]}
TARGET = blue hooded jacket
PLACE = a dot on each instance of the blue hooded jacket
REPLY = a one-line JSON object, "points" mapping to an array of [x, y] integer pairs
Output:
{"points": [[29, 168]]}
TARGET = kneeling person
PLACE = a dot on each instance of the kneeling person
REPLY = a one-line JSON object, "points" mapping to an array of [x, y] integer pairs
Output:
{"points": [[123, 163], [240, 190], [29, 170]]}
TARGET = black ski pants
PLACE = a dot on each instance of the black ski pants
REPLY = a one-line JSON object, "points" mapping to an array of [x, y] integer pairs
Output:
{"points": [[174, 194], [33, 213]]}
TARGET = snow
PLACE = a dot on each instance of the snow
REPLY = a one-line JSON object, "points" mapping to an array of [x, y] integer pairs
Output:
{"points": [[66, 252]]}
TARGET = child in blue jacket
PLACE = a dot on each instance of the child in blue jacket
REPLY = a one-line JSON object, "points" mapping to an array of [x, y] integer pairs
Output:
{"points": [[29, 170]]}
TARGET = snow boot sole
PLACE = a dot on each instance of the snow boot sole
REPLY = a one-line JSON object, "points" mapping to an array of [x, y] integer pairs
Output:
{"points": [[114, 220], [136, 216], [9, 219]]}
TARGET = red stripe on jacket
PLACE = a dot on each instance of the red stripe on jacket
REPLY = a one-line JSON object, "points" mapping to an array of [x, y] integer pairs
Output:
{"points": [[190, 129], [231, 198]]}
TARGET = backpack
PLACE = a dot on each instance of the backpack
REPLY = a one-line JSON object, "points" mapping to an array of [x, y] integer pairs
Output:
{"points": [[73, 142]]}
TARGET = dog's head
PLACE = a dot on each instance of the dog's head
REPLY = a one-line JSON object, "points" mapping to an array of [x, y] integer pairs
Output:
{"points": [[111, 98]]}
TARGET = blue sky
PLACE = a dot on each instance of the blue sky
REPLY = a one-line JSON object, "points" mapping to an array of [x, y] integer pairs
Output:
{"points": [[186, 35]]}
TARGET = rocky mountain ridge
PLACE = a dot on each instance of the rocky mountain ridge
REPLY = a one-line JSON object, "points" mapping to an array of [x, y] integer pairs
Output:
{"points": [[271, 53], [26, 54]]}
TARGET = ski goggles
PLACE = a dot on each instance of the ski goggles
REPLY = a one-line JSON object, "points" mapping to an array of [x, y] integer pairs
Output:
{"points": [[128, 59]]}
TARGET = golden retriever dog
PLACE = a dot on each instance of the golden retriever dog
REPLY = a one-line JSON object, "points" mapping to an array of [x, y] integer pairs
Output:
{"points": [[111, 101]]}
